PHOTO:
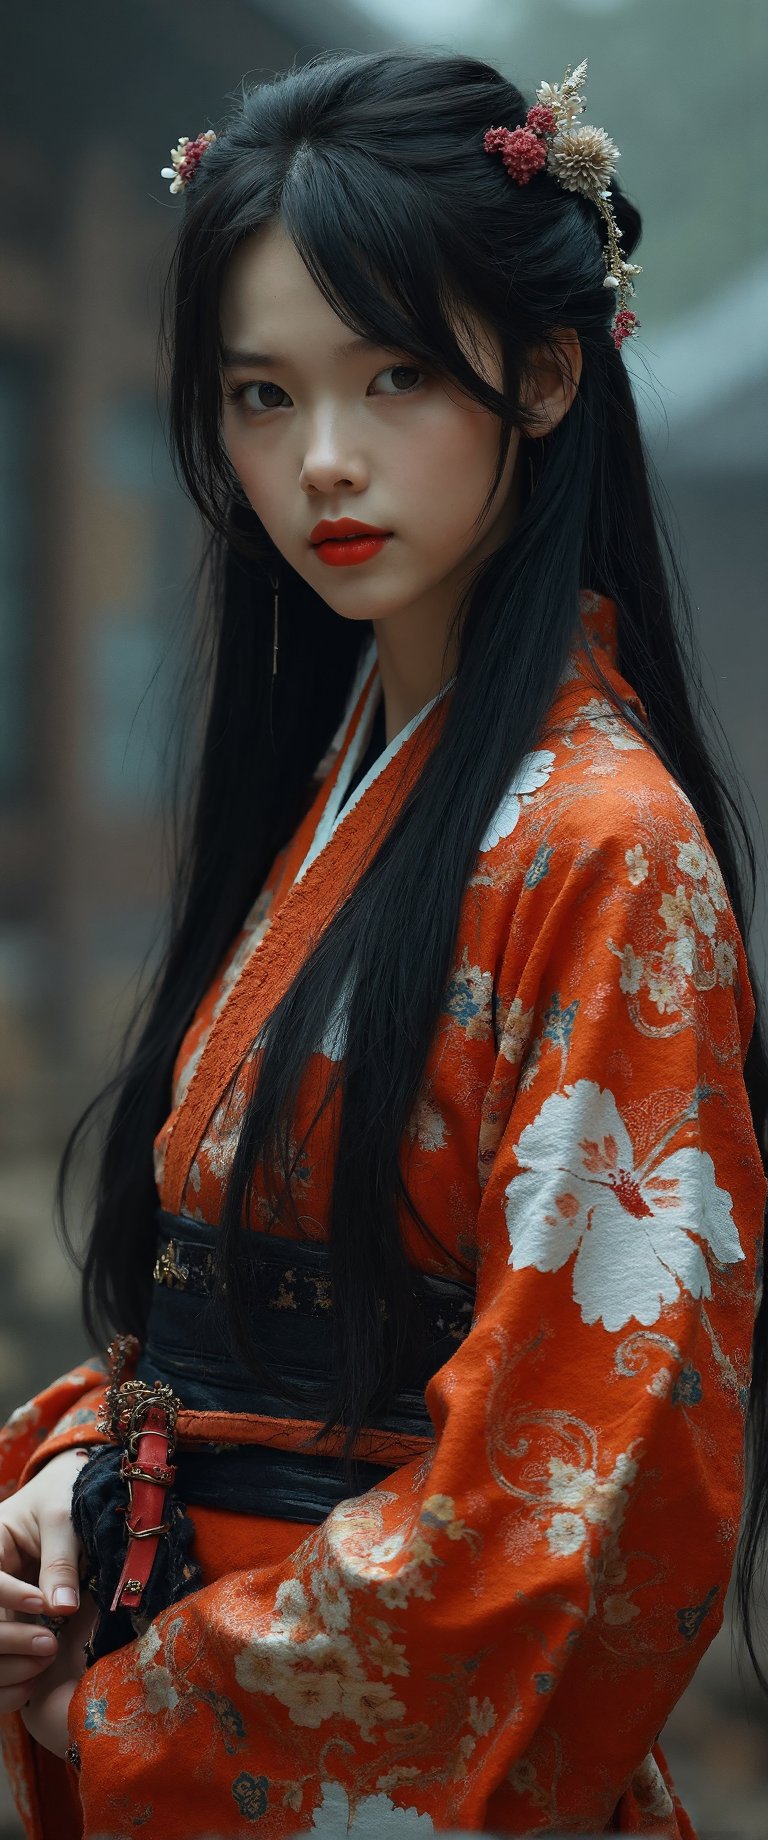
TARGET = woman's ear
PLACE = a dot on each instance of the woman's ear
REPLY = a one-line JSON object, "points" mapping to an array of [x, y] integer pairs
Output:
{"points": [[553, 382]]}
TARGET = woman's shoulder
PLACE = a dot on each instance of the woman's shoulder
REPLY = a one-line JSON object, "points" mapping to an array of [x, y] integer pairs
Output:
{"points": [[595, 836], [591, 782]]}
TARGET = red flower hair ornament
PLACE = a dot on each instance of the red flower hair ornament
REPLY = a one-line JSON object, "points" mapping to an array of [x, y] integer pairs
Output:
{"points": [[582, 159], [186, 157]]}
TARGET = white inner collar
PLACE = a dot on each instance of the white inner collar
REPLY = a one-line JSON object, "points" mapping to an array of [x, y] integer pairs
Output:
{"points": [[332, 816]]}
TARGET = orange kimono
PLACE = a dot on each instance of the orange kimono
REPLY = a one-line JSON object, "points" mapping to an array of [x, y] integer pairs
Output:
{"points": [[492, 1638]]}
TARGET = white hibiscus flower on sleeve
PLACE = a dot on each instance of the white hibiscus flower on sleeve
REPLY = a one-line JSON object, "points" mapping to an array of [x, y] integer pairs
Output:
{"points": [[374, 1815], [630, 1227]]}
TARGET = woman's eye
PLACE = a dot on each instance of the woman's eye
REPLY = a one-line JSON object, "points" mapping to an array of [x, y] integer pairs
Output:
{"points": [[410, 370], [238, 395], [254, 409]]}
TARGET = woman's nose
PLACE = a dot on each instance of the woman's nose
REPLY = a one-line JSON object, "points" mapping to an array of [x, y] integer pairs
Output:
{"points": [[325, 478], [329, 463]]}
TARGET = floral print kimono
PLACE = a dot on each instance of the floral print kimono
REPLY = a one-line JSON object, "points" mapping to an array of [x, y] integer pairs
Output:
{"points": [[493, 1637]]}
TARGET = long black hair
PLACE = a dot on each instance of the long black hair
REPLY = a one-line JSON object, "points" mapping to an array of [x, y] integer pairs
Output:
{"points": [[394, 142]]}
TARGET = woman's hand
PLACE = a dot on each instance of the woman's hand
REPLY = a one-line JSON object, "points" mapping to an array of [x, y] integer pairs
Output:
{"points": [[40, 1555], [46, 1712]]}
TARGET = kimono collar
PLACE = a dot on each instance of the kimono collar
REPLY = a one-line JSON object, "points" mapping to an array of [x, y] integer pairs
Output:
{"points": [[598, 619], [326, 857]]}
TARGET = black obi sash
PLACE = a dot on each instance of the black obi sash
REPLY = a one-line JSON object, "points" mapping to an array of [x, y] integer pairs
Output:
{"points": [[184, 1348]]}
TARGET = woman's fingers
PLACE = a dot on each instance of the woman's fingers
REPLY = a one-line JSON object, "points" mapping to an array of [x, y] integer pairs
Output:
{"points": [[17, 1571], [26, 1649], [60, 1556], [22, 1661], [17, 1668], [12, 1699], [61, 1552], [24, 1639], [18, 1598]]}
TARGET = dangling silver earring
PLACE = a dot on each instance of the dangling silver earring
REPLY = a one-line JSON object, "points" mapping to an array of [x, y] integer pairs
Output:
{"points": [[275, 579], [535, 465]]}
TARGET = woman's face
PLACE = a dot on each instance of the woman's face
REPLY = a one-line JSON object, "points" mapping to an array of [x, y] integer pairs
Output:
{"points": [[320, 433]]}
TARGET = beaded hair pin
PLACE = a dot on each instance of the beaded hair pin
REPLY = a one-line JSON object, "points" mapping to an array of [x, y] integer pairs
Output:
{"points": [[581, 158]]}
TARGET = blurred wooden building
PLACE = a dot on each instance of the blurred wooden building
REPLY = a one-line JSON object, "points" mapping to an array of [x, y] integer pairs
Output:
{"points": [[97, 540]]}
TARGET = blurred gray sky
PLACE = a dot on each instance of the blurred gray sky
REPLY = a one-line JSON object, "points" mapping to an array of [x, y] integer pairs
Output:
{"points": [[433, 15]]}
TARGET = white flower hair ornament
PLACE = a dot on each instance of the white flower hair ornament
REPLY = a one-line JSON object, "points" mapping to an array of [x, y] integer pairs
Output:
{"points": [[186, 156], [582, 159]]}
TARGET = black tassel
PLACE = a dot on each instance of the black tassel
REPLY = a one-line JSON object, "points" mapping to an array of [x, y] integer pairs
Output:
{"points": [[100, 1492]]}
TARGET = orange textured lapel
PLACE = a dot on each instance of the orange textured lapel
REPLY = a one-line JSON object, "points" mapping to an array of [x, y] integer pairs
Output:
{"points": [[300, 912]]}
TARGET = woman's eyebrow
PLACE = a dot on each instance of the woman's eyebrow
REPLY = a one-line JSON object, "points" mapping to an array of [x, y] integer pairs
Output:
{"points": [[231, 356]]}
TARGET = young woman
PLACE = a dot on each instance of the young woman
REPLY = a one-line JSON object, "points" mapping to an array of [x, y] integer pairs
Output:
{"points": [[452, 1092]]}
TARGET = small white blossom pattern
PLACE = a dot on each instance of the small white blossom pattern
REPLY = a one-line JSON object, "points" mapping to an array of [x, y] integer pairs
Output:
{"points": [[601, 715], [637, 865]]}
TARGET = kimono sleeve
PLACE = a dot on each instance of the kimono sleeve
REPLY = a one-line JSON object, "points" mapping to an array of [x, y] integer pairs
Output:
{"points": [[63, 1414], [495, 1635]]}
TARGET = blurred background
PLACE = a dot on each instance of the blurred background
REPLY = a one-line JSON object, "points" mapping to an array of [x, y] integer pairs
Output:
{"points": [[98, 546]]}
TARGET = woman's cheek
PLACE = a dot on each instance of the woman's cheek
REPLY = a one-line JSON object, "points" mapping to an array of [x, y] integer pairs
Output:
{"points": [[258, 490]]}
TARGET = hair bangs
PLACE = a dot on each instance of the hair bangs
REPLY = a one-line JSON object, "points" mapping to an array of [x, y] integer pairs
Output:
{"points": [[397, 287]]}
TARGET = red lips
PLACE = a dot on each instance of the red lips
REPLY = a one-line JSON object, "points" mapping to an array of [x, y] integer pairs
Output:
{"points": [[345, 527]]}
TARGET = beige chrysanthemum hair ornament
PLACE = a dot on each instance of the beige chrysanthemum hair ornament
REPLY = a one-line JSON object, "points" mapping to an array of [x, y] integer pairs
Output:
{"points": [[582, 159]]}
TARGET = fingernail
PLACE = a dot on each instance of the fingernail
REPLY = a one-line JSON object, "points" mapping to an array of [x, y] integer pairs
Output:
{"points": [[66, 1597], [33, 1602], [45, 1643]]}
